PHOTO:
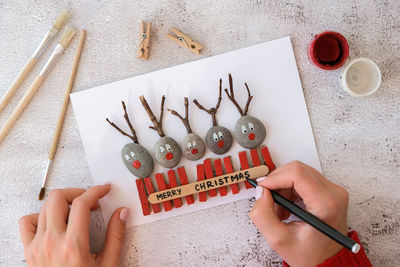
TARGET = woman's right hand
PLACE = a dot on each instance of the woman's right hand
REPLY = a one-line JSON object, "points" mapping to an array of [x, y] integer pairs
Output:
{"points": [[296, 242]]}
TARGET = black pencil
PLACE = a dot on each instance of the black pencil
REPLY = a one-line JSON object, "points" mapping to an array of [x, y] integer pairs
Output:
{"points": [[313, 221]]}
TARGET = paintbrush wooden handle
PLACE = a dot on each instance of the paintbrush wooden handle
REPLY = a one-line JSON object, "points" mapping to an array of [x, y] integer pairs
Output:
{"points": [[17, 82], [205, 185], [61, 118], [20, 107]]}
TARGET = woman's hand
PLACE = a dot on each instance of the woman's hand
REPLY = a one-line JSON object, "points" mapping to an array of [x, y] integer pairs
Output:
{"points": [[296, 242], [59, 234]]}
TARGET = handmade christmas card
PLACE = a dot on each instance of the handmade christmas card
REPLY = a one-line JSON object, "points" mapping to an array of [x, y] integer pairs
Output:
{"points": [[189, 123]]}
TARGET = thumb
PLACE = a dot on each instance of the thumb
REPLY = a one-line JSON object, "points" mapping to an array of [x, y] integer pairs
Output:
{"points": [[263, 215], [111, 254]]}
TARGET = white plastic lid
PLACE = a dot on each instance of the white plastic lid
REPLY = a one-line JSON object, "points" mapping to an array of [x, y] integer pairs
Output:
{"points": [[361, 77]]}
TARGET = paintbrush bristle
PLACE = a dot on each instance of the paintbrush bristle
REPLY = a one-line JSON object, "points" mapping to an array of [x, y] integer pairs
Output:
{"points": [[41, 194], [61, 19], [67, 36]]}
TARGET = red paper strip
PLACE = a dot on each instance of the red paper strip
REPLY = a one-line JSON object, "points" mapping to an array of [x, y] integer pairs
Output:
{"points": [[229, 169], [162, 186], [150, 190], [184, 180], [143, 197], [209, 174], [201, 176], [172, 182], [267, 158], [218, 172], [244, 164]]}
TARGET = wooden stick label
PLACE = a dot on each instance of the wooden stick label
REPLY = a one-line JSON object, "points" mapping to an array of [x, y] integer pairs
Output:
{"points": [[205, 185]]}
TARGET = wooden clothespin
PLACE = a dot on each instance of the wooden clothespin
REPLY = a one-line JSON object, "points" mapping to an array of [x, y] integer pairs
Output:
{"points": [[185, 41], [144, 46]]}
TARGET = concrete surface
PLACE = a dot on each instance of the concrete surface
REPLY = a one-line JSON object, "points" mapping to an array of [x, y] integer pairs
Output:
{"points": [[358, 139]]}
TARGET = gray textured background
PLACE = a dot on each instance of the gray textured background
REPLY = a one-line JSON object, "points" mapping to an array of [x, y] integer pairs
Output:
{"points": [[358, 139]]}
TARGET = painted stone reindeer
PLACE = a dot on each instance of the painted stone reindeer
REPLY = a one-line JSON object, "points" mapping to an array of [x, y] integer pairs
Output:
{"points": [[249, 131], [218, 138], [135, 157], [166, 151], [193, 146]]}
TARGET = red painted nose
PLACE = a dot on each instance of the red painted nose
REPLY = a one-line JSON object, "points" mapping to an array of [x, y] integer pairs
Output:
{"points": [[169, 156], [194, 151], [221, 144], [252, 136], [136, 164]]}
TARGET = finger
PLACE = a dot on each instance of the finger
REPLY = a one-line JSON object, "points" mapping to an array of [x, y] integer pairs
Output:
{"points": [[41, 225], [283, 213], [27, 228], [79, 216], [57, 207], [110, 256], [263, 216]]}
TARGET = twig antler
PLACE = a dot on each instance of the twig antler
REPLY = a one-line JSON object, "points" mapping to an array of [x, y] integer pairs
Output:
{"points": [[185, 120], [157, 123], [232, 97], [133, 136], [212, 111]]}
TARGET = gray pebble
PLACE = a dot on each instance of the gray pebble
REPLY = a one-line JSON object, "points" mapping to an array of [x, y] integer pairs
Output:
{"points": [[167, 152], [219, 140], [137, 160], [193, 147], [249, 132]]}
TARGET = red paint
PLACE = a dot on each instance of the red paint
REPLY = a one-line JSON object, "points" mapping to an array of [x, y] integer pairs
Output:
{"points": [[172, 182], [218, 172], [328, 50], [229, 169], [136, 164], [220, 144], [194, 151], [209, 174], [162, 186], [169, 156], [267, 158], [201, 176], [143, 197], [244, 164], [252, 136], [184, 180], [150, 190]]}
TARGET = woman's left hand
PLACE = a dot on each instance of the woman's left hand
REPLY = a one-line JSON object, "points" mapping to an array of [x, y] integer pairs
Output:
{"points": [[59, 234]]}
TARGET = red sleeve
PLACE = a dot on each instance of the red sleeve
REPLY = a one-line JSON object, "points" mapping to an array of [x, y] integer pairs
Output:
{"points": [[346, 258]]}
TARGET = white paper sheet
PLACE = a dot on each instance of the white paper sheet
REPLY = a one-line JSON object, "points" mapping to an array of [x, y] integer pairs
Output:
{"points": [[271, 73]]}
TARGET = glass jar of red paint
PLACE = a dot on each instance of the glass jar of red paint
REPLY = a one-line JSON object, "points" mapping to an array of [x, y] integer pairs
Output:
{"points": [[328, 50]]}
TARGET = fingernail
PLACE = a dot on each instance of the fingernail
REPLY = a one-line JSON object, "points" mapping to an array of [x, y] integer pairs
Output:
{"points": [[259, 192], [124, 214], [260, 179], [106, 184]]}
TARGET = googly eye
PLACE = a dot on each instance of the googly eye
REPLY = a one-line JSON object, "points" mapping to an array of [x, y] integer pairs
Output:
{"points": [[133, 154], [189, 145], [127, 157], [168, 147], [194, 144], [251, 126], [221, 136], [162, 150], [215, 137], [244, 129]]}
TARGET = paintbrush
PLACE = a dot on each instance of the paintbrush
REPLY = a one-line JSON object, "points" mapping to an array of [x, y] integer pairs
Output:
{"points": [[61, 118], [55, 28], [313, 221], [58, 51]]}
